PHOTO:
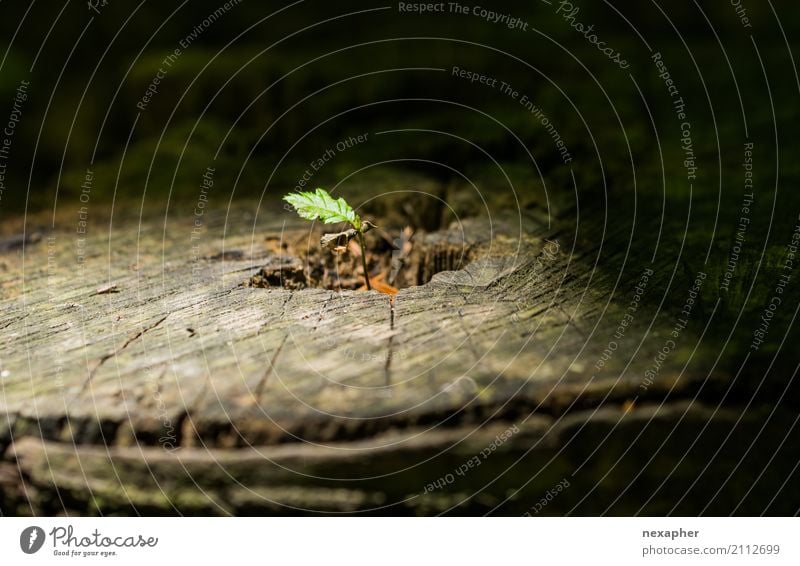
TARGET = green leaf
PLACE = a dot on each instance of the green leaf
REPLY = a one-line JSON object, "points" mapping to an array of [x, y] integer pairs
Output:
{"points": [[321, 205]]}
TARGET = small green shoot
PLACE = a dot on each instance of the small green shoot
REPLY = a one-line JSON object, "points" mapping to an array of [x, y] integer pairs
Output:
{"points": [[320, 205]]}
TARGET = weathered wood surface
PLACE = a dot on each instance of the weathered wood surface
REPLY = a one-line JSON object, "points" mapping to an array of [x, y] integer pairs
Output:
{"points": [[183, 391]]}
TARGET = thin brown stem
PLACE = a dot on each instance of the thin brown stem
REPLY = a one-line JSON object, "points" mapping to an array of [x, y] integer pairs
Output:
{"points": [[364, 259]]}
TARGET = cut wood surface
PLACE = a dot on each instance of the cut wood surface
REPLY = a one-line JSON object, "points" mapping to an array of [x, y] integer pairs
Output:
{"points": [[151, 378]]}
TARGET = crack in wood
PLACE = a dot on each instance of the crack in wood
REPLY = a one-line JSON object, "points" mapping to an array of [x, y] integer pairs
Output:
{"points": [[270, 323], [254, 268], [110, 355], [18, 319], [468, 338], [322, 313], [572, 323], [141, 333], [262, 384], [390, 346]]}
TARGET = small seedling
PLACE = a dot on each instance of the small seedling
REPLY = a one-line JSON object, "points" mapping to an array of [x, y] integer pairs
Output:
{"points": [[319, 205]]}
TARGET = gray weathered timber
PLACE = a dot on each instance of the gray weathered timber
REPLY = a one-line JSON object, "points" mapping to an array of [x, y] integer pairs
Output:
{"points": [[185, 391]]}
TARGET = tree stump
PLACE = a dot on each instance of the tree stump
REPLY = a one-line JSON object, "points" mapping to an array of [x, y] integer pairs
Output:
{"points": [[141, 373]]}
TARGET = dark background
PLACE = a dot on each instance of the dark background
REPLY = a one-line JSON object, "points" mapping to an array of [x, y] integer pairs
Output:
{"points": [[241, 89]]}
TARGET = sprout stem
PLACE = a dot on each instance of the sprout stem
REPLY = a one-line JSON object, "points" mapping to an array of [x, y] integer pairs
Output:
{"points": [[364, 259]]}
